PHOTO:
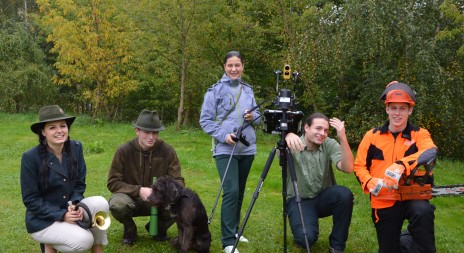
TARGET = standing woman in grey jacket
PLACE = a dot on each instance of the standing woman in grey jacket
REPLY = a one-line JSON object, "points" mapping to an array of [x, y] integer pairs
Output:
{"points": [[225, 107]]}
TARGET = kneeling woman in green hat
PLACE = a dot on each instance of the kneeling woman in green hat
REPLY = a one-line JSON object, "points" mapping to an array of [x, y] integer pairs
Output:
{"points": [[53, 184]]}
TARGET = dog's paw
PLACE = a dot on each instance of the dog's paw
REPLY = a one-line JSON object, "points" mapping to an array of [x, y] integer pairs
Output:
{"points": [[175, 242], [161, 238]]}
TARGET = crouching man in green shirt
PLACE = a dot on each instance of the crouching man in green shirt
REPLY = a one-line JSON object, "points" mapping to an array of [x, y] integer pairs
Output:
{"points": [[313, 155]]}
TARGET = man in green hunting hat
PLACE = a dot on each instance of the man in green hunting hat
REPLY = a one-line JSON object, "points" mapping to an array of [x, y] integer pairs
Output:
{"points": [[130, 178]]}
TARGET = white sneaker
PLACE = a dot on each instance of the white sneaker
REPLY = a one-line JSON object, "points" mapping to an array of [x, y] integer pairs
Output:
{"points": [[242, 238], [228, 249]]}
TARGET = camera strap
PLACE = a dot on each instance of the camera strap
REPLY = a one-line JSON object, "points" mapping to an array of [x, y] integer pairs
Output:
{"points": [[235, 104], [214, 141]]}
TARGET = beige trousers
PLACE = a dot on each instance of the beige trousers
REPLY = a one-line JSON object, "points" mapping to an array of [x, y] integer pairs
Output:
{"points": [[67, 237]]}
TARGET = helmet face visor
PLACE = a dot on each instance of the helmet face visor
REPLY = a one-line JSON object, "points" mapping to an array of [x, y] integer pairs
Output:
{"points": [[398, 92], [398, 96]]}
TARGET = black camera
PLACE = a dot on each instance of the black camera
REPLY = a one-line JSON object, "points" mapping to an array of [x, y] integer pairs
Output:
{"points": [[284, 118], [274, 122]]}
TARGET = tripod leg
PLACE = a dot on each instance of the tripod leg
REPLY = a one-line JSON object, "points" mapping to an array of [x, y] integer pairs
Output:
{"points": [[291, 166], [255, 195], [284, 198]]}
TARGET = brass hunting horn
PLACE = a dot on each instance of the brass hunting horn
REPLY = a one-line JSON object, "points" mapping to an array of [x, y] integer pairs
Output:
{"points": [[101, 220]]}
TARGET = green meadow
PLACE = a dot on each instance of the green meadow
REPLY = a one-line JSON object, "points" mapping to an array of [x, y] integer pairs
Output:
{"points": [[265, 225]]}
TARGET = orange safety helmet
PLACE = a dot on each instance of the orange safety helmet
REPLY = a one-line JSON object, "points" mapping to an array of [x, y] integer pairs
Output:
{"points": [[398, 92]]}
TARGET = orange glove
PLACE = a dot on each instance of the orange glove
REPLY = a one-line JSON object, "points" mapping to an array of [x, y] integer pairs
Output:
{"points": [[393, 175], [375, 185]]}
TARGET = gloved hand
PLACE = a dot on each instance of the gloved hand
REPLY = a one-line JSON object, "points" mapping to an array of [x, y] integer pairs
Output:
{"points": [[393, 175], [375, 185]]}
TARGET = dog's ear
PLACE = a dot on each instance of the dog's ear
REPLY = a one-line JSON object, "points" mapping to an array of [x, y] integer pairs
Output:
{"points": [[152, 197], [173, 193]]}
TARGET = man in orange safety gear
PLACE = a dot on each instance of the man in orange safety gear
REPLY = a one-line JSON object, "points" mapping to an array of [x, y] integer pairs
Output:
{"points": [[385, 155]]}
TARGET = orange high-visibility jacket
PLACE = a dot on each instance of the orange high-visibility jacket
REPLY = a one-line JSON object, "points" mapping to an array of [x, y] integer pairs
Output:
{"points": [[379, 149]]}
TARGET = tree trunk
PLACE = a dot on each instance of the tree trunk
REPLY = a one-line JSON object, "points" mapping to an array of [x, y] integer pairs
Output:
{"points": [[180, 110]]}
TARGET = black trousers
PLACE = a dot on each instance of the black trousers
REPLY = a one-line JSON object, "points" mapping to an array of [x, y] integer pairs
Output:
{"points": [[389, 221]]}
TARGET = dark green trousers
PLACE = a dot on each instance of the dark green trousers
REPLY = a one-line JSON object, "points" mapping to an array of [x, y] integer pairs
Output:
{"points": [[233, 191]]}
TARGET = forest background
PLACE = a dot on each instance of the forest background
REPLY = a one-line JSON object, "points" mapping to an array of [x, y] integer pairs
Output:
{"points": [[112, 58]]}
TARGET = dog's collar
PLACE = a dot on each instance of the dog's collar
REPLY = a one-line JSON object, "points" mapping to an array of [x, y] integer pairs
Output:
{"points": [[182, 195]]}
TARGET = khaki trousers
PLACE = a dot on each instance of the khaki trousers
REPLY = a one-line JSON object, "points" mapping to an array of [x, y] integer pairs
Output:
{"points": [[67, 237]]}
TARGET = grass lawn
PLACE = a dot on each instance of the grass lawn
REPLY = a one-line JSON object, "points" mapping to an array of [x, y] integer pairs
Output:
{"points": [[265, 225]]}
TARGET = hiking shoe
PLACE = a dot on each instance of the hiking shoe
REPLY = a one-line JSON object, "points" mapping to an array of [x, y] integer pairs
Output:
{"points": [[332, 250], [242, 238], [128, 241], [228, 249], [130, 234]]}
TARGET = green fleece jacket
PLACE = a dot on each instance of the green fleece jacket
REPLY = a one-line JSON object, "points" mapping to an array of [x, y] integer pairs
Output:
{"points": [[133, 168]]}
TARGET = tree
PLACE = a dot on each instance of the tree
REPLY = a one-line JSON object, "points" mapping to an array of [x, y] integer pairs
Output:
{"points": [[17, 10], [165, 29], [92, 43], [446, 94], [24, 74], [183, 50], [123, 56]]}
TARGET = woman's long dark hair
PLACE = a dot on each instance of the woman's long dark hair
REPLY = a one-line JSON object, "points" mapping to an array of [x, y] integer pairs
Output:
{"points": [[232, 54], [44, 168]]}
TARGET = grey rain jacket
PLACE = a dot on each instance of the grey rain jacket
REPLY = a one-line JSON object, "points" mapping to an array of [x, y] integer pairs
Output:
{"points": [[218, 101]]}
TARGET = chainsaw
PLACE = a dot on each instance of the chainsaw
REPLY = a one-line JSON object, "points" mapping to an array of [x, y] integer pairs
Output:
{"points": [[448, 190], [421, 186]]}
